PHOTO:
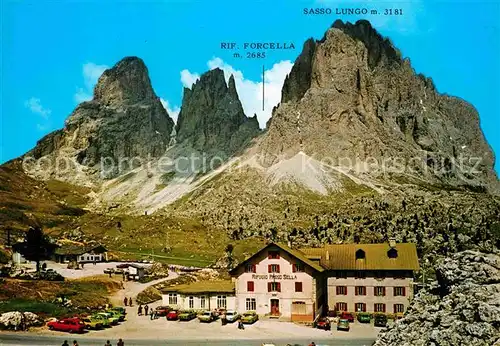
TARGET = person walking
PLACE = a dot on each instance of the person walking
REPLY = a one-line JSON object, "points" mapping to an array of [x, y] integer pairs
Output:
{"points": [[125, 300], [139, 310], [130, 301], [65, 343], [75, 343], [120, 343], [146, 308], [151, 314], [108, 343]]}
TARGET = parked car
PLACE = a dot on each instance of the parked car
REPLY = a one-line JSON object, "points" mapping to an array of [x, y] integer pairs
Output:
{"points": [[207, 316], [323, 323], [112, 319], [347, 316], [116, 314], [109, 271], [249, 317], [92, 323], [232, 316], [103, 319], [173, 315], [332, 316], [343, 324], [187, 315], [122, 265], [120, 309], [71, 325], [364, 317], [380, 321], [162, 310], [119, 271]]}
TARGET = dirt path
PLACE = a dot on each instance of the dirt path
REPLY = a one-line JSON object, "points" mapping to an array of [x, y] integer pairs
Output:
{"points": [[133, 288]]}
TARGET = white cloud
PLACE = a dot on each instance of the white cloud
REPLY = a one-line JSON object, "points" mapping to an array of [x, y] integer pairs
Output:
{"points": [[188, 78], [91, 73], [250, 92], [172, 111], [35, 106]]}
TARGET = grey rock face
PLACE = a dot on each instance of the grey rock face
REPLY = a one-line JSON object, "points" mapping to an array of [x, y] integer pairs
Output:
{"points": [[352, 97], [466, 310], [212, 119], [124, 120]]}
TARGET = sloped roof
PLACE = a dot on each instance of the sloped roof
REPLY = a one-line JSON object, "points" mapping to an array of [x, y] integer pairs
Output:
{"points": [[343, 257], [78, 249], [219, 286], [295, 253]]}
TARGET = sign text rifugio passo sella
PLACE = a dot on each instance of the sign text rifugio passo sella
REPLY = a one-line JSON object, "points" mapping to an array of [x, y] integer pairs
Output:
{"points": [[255, 50]]}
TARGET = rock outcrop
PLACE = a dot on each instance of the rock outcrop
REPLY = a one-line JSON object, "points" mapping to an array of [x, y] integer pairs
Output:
{"points": [[124, 125], [462, 309], [351, 98], [212, 119]]}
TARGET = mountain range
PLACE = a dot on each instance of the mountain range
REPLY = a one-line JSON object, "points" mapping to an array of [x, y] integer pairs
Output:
{"points": [[355, 124]]}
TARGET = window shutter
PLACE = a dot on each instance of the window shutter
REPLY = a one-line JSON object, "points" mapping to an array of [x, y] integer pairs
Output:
{"points": [[394, 308], [364, 290], [254, 268], [269, 268], [356, 290], [404, 291], [250, 286], [364, 307], [337, 289], [383, 307], [375, 291], [383, 293], [294, 268], [279, 287], [278, 268], [277, 254], [269, 256], [345, 290], [268, 287]]}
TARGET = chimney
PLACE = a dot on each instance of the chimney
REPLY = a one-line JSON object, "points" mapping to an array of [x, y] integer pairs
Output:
{"points": [[327, 255], [392, 242]]}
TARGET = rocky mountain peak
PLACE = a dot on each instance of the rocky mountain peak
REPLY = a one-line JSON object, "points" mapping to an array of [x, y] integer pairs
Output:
{"points": [[350, 96], [125, 83], [212, 117]]}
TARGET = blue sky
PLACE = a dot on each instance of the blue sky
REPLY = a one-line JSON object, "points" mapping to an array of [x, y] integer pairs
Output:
{"points": [[52, 52]]}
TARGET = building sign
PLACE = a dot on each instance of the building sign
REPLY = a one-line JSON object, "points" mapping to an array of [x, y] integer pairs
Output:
{"points": [[274, 277]]}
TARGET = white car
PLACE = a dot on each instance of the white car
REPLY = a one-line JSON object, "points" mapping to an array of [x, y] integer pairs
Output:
{"points": [[232, 316]]}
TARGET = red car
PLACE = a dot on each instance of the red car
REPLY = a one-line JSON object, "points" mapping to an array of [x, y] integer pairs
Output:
{"points": [[71, 325], [162, 310], [173, 315], [347, 316], [323, 323]]}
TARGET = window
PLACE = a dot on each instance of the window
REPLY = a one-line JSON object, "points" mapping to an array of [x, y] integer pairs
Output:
{"points": [[399, 308], [250, 286], [273, 255], [360, 307], [360, 290], [298, 267], [298, 287], [379, 291], [273, 268], [360, 274], [360, 254], [191, 302], [251, 304], [341, 290], [379, 307], [221, 302], [172, 298], [274, 287], [202, 302], [341, 306], [399, 291], [250, 268], [341, 275], [392, 253]]}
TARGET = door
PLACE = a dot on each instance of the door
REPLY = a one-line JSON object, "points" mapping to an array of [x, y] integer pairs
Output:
{"points": [[275, 307]]}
